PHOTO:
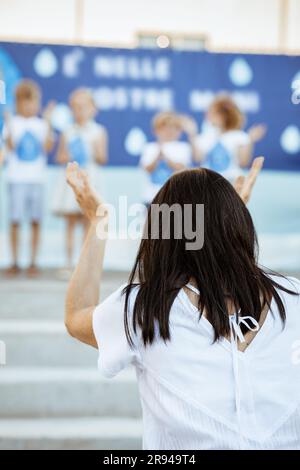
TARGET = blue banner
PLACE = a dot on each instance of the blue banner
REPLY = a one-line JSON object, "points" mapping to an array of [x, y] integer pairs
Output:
{"points": [[130, 86]]}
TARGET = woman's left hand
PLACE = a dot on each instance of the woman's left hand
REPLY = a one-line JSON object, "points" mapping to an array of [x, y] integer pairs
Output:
{"points": [[244, 184]]}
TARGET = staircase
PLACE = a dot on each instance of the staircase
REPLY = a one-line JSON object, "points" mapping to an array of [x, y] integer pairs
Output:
{"points": [[51, 394]]}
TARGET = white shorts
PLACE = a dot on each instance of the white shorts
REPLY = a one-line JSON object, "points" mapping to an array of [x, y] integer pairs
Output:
{"points": [[25, 201]]}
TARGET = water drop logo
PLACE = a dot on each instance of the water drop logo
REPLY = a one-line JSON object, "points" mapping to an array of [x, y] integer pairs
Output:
{"points": [[78, 151], [28, 148], [45, 63], [61, 117], [135, 141], [290, 140], [240, 72], [218, 159]]}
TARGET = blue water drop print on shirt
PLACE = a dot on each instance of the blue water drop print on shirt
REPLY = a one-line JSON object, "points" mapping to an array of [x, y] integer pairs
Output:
{"points": [[29, 148], [240, 72], [78, 152], [161, 173], [218, 159]]}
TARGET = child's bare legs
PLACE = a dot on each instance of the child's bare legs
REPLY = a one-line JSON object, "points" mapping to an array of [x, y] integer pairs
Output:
{"points": [[35, 238], [14, 243], [14, 240]]}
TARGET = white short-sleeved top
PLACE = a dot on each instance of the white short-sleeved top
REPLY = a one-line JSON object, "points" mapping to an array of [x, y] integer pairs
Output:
{"points": [[175, 151], [80, 141], [197, 394], [221, 151], [27, 162]]}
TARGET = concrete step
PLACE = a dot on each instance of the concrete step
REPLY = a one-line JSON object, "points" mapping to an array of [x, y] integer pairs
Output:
{"points": [[49, 392], [43, 298], [32, 299], [72, 433], [43, 343]]}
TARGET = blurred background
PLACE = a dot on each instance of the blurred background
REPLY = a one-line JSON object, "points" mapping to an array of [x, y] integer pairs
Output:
{"points": [[138, 58]]}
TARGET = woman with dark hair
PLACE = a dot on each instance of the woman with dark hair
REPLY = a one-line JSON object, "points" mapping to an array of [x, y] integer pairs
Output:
{"points": [[212, 336]]}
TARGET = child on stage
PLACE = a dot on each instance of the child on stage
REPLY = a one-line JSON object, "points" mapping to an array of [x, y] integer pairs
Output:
{"points": [[162, 158], [28, 138], [85, 142], [223, 146]]}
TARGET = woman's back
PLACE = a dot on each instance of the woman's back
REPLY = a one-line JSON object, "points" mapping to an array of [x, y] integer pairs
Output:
{"points": [[201, 394], [198, 391]]}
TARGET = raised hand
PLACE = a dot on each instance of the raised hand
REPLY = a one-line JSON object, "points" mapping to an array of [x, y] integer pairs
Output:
{"points": [[244, 184], [91, 204]]}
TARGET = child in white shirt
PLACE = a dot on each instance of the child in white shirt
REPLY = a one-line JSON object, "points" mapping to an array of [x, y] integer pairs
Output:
{"points": [[85, 141], [28, 138], [224, 146], [162, 158]]}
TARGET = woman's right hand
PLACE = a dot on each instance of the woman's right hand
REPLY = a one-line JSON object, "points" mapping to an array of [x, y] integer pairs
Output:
{"points": [[89, 201]]}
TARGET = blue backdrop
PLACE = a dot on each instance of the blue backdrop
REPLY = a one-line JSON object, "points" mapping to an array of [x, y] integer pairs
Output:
{"points": [[130, 86]]}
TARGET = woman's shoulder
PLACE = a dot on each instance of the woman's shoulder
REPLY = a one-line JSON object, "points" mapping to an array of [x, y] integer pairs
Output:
{"points": [[118, 296]]}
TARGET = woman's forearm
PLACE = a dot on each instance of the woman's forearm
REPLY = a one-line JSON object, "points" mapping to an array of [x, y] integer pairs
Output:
{"points": [[84, 287], [83, 291]]}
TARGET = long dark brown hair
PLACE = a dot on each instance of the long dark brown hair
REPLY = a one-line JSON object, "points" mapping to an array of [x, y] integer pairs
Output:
{"points": [[225, 268]]}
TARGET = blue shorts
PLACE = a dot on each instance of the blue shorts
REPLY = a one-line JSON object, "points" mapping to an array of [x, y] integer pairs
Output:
{"points": [[25, 201]]}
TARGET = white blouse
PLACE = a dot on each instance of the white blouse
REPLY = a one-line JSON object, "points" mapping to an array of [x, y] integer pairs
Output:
{"points": [[197, 394]]}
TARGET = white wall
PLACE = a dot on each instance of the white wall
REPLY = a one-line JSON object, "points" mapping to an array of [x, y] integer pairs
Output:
{"points": [[230, 24], [294, 24], [37, 19]]}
